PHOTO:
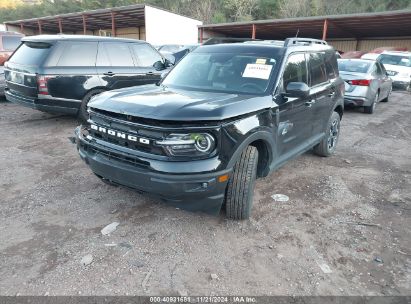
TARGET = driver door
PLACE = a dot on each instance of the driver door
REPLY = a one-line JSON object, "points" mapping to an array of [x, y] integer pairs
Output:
{"points": [[294, 113]]}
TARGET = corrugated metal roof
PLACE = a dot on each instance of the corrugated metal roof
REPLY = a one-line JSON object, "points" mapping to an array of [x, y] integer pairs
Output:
{"points": [[383, 24]]}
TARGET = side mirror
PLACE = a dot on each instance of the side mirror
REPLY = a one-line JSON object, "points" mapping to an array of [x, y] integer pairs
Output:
{"points": [[158, 65], [297, 89]]}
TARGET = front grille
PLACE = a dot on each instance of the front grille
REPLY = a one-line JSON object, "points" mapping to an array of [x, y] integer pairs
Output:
{"points": [[116, 156], [148, 136]]}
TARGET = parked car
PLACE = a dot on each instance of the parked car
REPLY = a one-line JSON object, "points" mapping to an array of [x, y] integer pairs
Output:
{"points": [[398, 65], [382, 49], [225, 115], [370, 56], [170, 48], [352, 54], [184, 51], [2, 82], [366, 83], [59, 73], [9, 41]]}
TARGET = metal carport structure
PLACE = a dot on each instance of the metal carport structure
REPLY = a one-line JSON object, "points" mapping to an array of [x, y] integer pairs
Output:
{"points": [[392, 25]]}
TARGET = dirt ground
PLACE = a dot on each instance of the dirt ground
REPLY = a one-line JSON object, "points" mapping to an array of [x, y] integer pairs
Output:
{"points": [[345, 230]]}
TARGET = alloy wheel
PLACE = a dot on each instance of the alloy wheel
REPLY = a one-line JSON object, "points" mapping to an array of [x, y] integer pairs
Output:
{"points": [[333, 134]]}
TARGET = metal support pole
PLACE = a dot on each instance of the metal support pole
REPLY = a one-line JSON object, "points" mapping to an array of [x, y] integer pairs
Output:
{"points": [[84, 24], [60, 26], [39, 24], [201, 35], [253, 32], [22, 28], [325, 28], [113, 25]]}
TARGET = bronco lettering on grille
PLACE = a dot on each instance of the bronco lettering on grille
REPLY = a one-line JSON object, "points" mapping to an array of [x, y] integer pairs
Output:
{"points": [[120, 134]]}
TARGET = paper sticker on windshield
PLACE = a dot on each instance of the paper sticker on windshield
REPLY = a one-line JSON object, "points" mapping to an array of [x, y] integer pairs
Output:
{"points": [[261, 61], [261, 71]]}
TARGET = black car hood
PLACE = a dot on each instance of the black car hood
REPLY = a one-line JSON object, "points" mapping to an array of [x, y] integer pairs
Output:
{"points": [[158, 102]]}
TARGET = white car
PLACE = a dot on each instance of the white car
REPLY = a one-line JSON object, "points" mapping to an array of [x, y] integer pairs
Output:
{"points": [[398, 66]]}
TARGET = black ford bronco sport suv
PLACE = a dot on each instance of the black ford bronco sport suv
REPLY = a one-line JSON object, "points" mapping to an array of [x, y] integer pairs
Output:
{"points": [[224, 115]]}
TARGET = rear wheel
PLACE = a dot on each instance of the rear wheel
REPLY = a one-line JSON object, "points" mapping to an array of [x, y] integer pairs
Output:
{"points": [[371, 108], [328, 144], [240, 188], [82, 113], [386, 99]]}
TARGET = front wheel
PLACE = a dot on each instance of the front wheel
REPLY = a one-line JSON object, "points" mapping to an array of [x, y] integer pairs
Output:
{"points": [[240, 188], [328, 144]]}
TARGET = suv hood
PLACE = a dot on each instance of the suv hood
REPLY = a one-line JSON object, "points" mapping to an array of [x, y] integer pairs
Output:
{"points": [[158, 102]]}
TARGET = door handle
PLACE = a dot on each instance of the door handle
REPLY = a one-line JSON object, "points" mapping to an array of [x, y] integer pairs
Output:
{"points": [[109, 74], [310, 103], [331, 94]]}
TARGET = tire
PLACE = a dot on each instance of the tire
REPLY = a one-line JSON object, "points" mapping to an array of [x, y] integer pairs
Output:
{"points": [[328, 144], [240, 188], [82, 113], [387, 99], [371, 108]]}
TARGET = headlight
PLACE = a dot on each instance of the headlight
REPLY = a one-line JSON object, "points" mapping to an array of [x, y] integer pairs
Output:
{"points": [[192, 144]]}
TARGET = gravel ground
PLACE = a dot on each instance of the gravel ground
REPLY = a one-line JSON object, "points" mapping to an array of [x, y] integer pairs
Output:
{"points": [[344, 231]]}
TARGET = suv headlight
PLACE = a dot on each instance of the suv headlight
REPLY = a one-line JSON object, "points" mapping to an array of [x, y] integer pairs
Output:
{"points": [[192, 144]]}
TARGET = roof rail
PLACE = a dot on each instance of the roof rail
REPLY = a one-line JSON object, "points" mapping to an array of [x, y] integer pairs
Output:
{"points": [[303, 41]]}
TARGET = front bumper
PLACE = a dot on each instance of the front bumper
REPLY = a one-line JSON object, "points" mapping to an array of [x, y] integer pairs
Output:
{"points": [[45, 105], [194, 191]]}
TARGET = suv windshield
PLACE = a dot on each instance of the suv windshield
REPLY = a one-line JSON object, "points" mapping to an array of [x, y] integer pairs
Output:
{"points": [[354, 66], [395, 60], [223, 72]]}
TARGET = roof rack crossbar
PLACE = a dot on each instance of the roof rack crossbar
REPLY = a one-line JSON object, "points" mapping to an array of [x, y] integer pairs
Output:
{"points": [[303, 41]]}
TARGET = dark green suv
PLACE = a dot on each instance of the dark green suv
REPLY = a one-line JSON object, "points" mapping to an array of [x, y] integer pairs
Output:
{"points": [[224, 116]]}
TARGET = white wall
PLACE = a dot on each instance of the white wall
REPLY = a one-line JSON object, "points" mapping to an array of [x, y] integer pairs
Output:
{"points": [[163, 27]]}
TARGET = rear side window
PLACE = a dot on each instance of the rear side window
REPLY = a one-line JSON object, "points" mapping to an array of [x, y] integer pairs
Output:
{"points": [[295, 70], [331, 65], [318, 72], [146, 55], [114, 54], [10, 43], [78, 54], [30, 53]]}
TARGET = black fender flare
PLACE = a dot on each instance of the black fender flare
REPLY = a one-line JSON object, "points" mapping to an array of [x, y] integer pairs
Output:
{"points": [[265, 136]]}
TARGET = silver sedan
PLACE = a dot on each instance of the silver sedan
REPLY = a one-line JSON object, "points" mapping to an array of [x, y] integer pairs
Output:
{"points": [[366, 83]]}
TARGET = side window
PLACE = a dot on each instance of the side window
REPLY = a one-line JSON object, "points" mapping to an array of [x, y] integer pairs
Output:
{"points": [[384, 71], [114, 54], [146, 55], [379, 70], [317, 68], [78, 54], [295, 70], [374, 70], [331, 65]]}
